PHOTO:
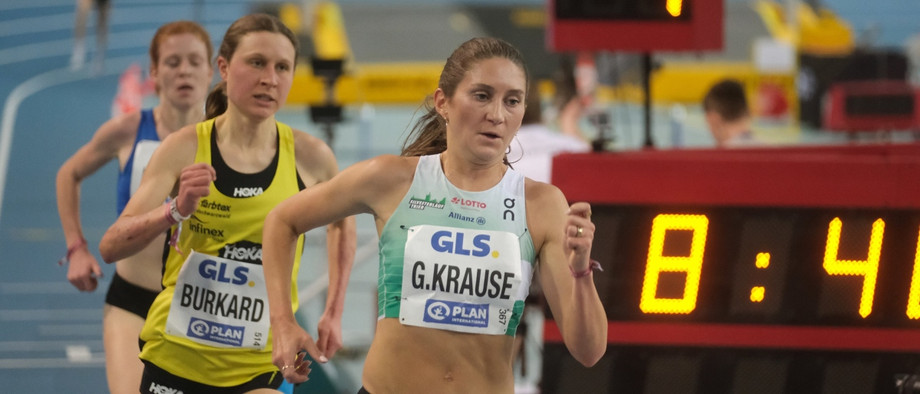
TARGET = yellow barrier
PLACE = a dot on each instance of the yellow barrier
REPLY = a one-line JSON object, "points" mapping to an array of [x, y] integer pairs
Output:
{"points": [[687, 83], [329, 38], [820, 32], [380, 83]]}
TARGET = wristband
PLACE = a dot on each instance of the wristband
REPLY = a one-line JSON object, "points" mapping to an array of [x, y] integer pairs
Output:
{"points": [[593, 266], [172, 213], [71, 250]]}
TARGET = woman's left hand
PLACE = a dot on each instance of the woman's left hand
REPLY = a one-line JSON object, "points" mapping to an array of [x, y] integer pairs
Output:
{"points": [[579, 236], [290, 344]]}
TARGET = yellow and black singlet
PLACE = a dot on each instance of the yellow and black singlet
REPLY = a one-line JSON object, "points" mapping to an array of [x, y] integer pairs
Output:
{"points": [[210, 323]]}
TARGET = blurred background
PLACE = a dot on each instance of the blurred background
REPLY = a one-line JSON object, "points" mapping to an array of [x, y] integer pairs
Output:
{"points": [[815, 73]]}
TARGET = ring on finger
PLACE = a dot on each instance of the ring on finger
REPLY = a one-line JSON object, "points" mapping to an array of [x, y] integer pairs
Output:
{"points": [[286, 367], [580, 231]]}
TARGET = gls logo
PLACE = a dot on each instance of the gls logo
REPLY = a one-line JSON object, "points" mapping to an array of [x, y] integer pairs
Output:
{"points": [[210, 269], [448, 242]]}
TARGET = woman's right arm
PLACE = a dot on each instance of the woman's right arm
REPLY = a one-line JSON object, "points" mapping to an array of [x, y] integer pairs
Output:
{"points": [[359, 188], [146, 215], [113, 136]]}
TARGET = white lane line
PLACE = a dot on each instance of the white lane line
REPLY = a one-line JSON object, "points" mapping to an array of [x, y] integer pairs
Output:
{"points": [[69, 314], [43, 288], [135, 39], [81, 331], [44, 346], [39, 24], [34, 85], [97, 361], [78, 353], [10, 5]]}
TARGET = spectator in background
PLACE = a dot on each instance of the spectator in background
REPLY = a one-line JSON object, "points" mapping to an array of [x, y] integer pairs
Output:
{"points": [[78, 57], [727, 114], [537, 143]]}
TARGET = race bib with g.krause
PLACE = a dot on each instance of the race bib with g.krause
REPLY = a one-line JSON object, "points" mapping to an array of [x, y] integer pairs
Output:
{"points": [[220, 302], [460, 279]]}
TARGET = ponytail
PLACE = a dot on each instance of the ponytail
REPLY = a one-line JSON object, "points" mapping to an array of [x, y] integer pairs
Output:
{"points": [[216, 103], [429, 135]]}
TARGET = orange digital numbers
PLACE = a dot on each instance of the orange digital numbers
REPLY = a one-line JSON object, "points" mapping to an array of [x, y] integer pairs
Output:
{"points": [[867, 268], [674, 7], [691, 264], [913, 298]]}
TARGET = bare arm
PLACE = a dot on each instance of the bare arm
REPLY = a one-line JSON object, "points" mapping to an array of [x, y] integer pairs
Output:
{"points": [[317, 162], [574, 301], [144, 218], [113, 136], [351, 192]]}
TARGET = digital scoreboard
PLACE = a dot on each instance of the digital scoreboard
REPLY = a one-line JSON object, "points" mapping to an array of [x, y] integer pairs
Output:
{"points": [[750, 271], [635, 25]]}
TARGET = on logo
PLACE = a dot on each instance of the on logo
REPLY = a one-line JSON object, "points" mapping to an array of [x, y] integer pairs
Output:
{"points": [[509, 204]]}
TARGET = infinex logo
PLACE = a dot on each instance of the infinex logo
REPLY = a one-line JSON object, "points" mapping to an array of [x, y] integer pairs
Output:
{"points": [[468, 203]]}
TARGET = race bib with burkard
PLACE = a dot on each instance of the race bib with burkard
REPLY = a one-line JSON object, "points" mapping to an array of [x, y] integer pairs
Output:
{"points": [[460, 279], [220, 302]]}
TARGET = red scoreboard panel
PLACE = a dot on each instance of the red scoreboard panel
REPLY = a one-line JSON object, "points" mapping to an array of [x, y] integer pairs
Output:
{"points": [[750, 271], [880, 105], [635, 25]]}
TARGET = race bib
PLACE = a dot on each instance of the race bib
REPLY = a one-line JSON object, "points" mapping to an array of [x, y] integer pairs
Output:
{"points": [[220, 302], [460, 279]]}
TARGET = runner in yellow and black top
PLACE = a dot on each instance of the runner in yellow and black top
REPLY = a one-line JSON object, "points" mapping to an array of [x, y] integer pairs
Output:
{"points": [[208, 330]]}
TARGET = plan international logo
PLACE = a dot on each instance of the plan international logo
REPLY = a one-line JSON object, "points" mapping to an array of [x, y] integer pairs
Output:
{"points": [[417, 203]]}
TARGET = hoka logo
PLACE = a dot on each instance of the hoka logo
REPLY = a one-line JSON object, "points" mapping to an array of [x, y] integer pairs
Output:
{"points": [[245, 251], [160, 389], [247, 191], [253, 253]]}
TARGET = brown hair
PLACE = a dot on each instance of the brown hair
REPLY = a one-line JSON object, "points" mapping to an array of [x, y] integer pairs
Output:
{"points": [[174, 28], [533, 112], [217, 99], [429, 134], [727, 99]]}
